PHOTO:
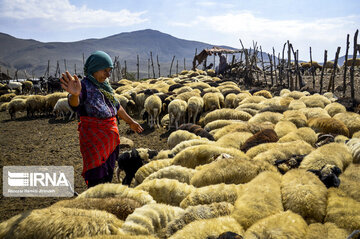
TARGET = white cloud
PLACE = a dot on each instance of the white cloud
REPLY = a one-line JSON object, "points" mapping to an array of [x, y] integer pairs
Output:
{"points": [[62, 13]]}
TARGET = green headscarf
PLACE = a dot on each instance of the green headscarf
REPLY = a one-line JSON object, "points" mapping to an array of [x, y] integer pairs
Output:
{"points": [[100, 60]]}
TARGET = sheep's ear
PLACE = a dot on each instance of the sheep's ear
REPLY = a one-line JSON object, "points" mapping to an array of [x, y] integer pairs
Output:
{"points": [[152, 153]]}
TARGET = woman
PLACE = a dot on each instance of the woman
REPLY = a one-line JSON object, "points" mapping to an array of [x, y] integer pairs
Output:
{"points": [[93, 99]]}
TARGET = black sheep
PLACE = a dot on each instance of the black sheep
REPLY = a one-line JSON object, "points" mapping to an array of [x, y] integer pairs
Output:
{"points": [[197, 129]]}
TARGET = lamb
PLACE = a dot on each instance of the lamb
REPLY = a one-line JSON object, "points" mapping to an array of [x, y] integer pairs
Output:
{"points": [[197, 130], [177, 110], [327, 230], [351, 120], [58, 222], [62, 107], [203, 154], [121, 207], [328, 126], [152, 106], [263, 136], [35, 104], [336, 154], [229, 170], [150, 168], [150, 219], [182, 174], [168, 191], [303, 193], [234, 140], [15, 106], [262, 199], [178, 136], [281, 225], [209, 228], [350, 181], [131, 161], [211, 194], [117, 190], [194, 213], [354, 147], [213, 101], [227, 114], [335, 108], [188, 143], [342, 210], [15, 86], [195, 106]]}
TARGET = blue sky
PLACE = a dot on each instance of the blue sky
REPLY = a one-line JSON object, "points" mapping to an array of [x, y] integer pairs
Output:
{"points": [[316, 23]]}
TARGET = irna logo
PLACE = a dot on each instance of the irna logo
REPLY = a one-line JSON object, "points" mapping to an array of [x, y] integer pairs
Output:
{"points": [[37, 179]]}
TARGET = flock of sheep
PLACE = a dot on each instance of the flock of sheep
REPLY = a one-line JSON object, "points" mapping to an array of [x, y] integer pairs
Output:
{"points": [[256, 165]]}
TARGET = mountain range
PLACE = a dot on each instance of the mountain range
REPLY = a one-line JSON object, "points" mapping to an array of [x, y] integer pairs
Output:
{"points": [[32, 56]]}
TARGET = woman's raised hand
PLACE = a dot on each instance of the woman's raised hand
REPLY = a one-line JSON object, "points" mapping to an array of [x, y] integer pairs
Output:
{"points": [[70, 83]]}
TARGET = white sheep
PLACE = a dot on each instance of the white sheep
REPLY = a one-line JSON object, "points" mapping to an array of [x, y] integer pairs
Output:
{"points": [[182, 174], [35, 104], [327, 231], [62, 108], [188, 143], [354, 147], [213, 101], [177, 111], [15, 86], [226, 114], [179, 136], [351, 120], [16, 105], [149, 168], [153, 106], [350, 181], [195, 106]]}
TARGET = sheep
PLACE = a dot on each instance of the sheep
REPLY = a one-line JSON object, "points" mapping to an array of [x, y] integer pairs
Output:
{"points": [[35, 103], [296, 95], [305, 133], [150, 168], [342, 210], [336, 154], [354, 147], [177, 110], [350, 181], [152, 106], [15, 86], [284, 127], [117, 190], [240, 97], [51, 99], [303, 193], [296, 117], [351, 120], [262, 199], [3, 106], [187, 95], [287, 102], [263, 93], [150, 219], [62, 107], [314, 101], [27, 86], [194, 213], [328, 126], [263, 136], [335, 108], [296, 105], [229, 170], [15, 106], [178, 136], [251, 108], [164, 190], [234, 140], [266, 117], [58, 222], [350, 61], [195, 106], [327, 230], [203, 154], [242, 127], [208, 228], [7, 97], [281, 225], [182, 89], [213, 193], [227, 114], [188, 143], [253, 99], [131, 161], [213, 101], [182, 174], [219, 124], [121, 207], [197, 130], [230, 101]]}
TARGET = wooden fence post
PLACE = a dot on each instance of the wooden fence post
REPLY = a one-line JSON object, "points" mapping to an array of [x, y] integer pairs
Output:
{"points": [[125, 71], [172, 61], [332, 77], [322, 71], [345, 66], [83, 58], [158, 64], [184, 64], [65, 64], [262, 63], [312, 71], [274, 62], [352, 68], [271, 70], [138, 67], [148, 68], [177, 67], [152, 64]]}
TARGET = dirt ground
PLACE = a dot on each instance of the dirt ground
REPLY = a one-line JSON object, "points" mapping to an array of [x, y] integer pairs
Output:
{"points": [[49, 141]]}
